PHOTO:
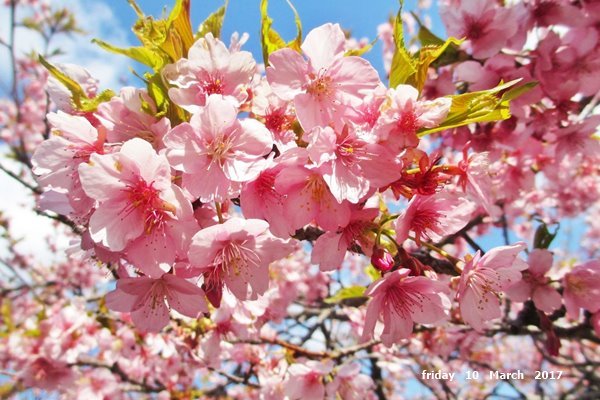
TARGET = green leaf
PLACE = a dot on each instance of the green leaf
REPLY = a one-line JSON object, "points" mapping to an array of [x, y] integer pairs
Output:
{"points": [[403, 64], [271, 40], [140, 54], [426, 56], [213, 23], [515, 92], [163, 41], [347, 293], [362, 50], [79, 98], [372, 272], [482, 106]]}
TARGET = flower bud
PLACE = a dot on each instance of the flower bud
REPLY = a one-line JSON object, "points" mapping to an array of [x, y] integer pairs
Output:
{"points": [[382, 260]]}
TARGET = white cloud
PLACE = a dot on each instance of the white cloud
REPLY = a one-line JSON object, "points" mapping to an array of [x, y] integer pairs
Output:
{"points": [[98, 20]]}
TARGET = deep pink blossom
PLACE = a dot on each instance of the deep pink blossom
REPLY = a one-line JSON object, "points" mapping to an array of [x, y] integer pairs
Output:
{"points": [[326, 84], [486, 26], [401, 300], [144, 298], [484, 278], [433, 217]]}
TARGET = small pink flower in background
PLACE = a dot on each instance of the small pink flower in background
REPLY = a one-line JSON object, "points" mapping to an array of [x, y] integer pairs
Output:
{"points": [[582, 288], [236, 254], [484, 278], [47, 374], [350, 384], [144, 298], [486, 26], [433, 217], [403, 300], [534, 284], [216, 151], [210, 69], [306, 380], [73, 140], [330, 248], [124, 118], [326, 85], [139, 210], [403, 115]]}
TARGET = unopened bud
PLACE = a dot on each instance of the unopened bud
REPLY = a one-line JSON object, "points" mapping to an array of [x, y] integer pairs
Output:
{"points": [[382, 260]]}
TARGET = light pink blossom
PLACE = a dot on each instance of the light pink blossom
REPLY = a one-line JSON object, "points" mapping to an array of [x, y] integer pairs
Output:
{"points": [[216, 151], [351, 165], [403, 114], [209, 69], [307, 380], [582, 288], [236, 254], [326, 84], [535, 285], [124, 118], [144, 298], [484, 278], [401, 300], [139, 210]]}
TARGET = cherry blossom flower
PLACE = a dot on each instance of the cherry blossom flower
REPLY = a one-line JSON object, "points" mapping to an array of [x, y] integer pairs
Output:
{"points": [[306, 380], [144, 298], [349, 383], [484, 278], [308, 198], [216, 151], [209, 69], [327, 84], [46, 373], [139, 210], [350, 164], [330, 248], [401, 300], [582, 288], [486, 26], [236, 254], [57, 159], [402, 115], [124, 118], [433, 217], [535, 285]]}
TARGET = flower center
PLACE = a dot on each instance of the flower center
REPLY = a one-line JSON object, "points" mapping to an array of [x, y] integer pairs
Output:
{"points": [[407, 122], [320, 85], [403, 301], [219, 149], [146, 198], [213, 84], [236, 258]]}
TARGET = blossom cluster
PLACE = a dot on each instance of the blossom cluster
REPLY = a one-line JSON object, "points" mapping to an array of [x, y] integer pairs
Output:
{"points": [[226, 194]]}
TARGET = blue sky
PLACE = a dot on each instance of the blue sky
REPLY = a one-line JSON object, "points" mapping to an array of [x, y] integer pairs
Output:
{"points": [[359, 16]]}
